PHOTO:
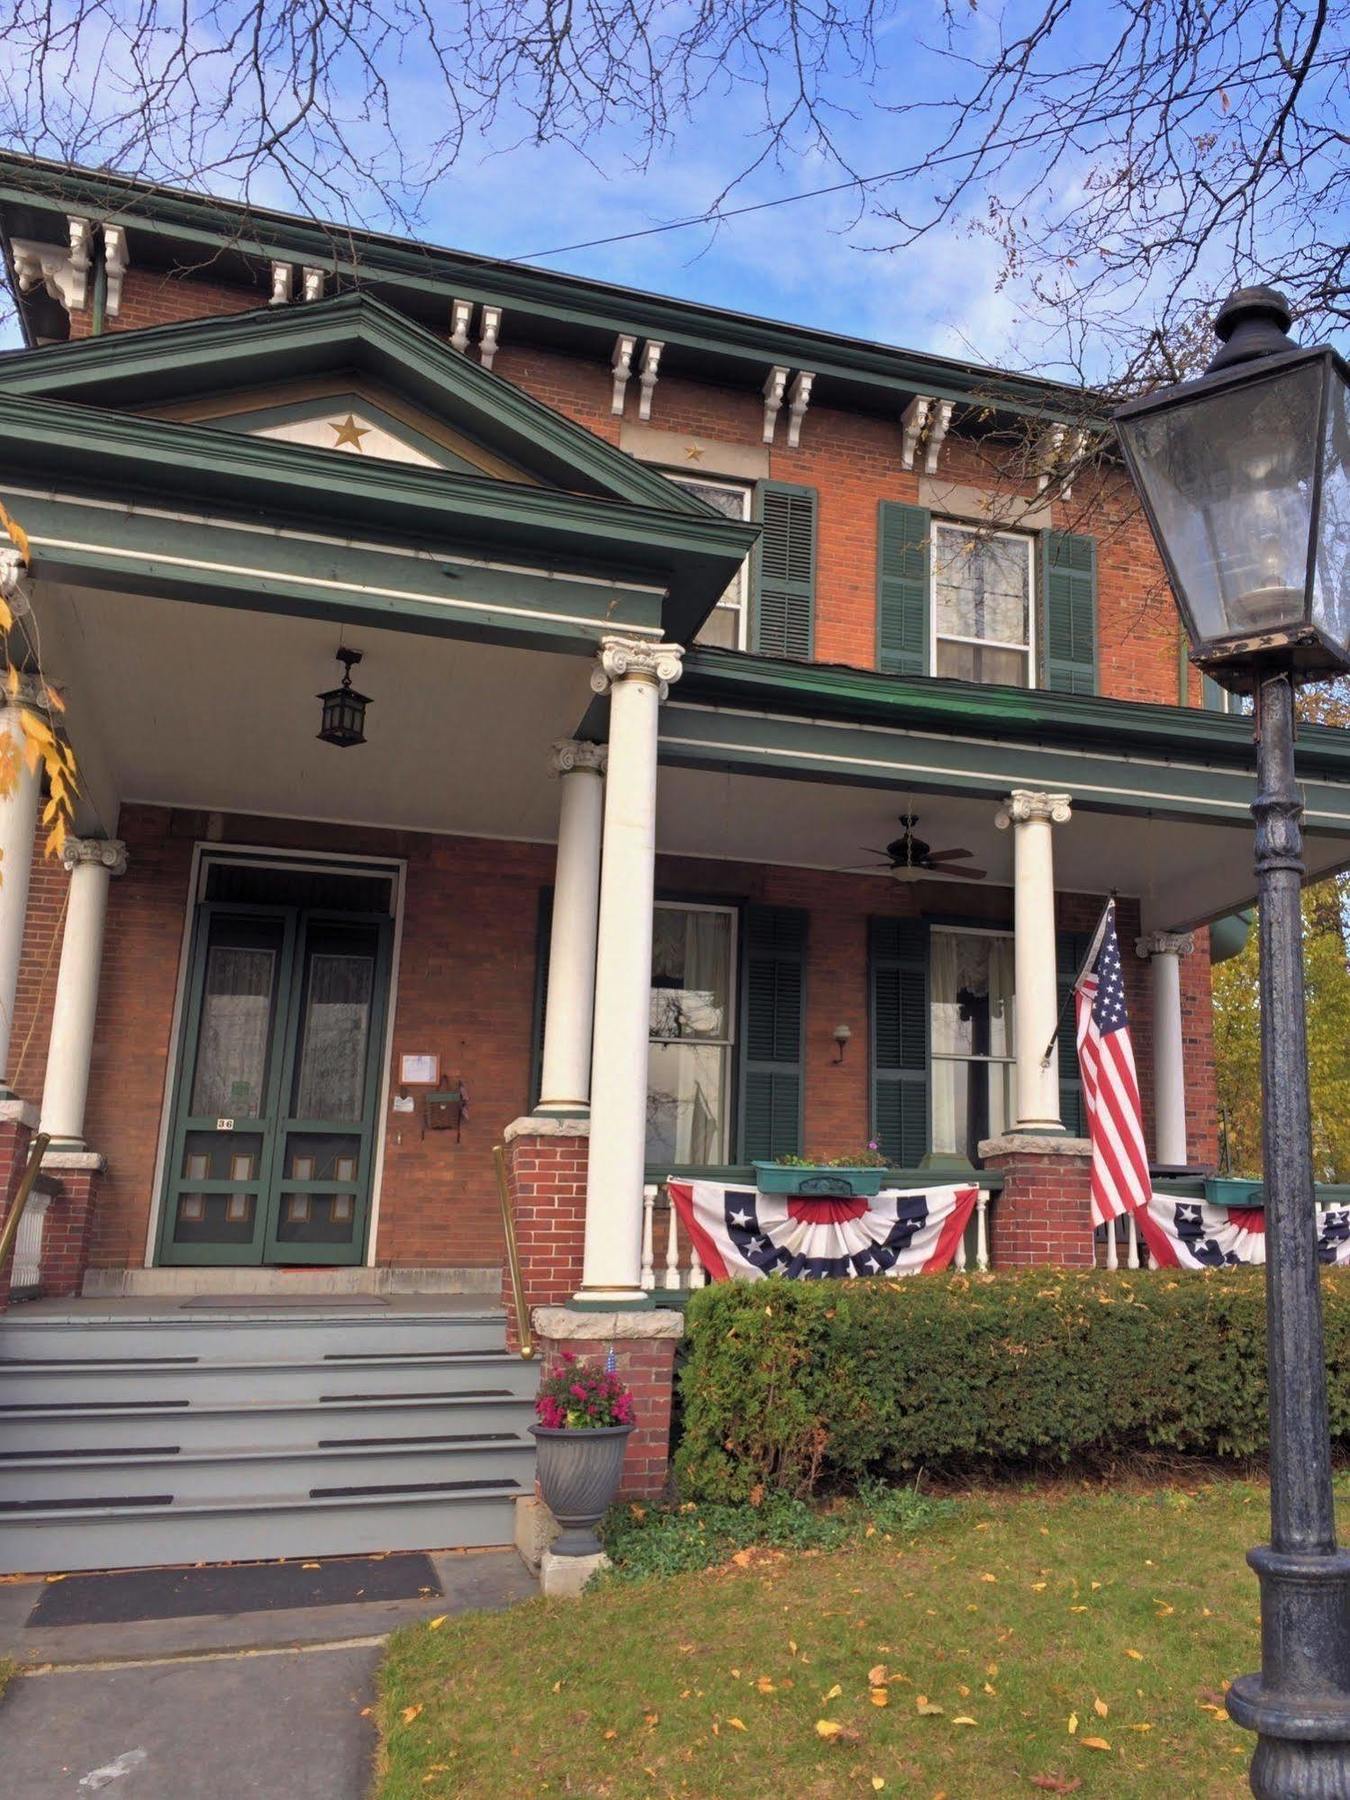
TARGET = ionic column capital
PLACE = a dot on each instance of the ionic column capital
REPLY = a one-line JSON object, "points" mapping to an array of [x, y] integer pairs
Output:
{"points": [[1025, 804], [109, 853], [1164, 943], [634, 659], [15, 586], [570, 754]]}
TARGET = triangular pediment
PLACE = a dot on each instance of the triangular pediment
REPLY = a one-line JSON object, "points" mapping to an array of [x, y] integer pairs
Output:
{"points": [[348, 375]]}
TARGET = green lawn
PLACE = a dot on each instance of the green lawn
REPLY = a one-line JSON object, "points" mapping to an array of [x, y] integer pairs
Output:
{"points": [[1064, 1641]]}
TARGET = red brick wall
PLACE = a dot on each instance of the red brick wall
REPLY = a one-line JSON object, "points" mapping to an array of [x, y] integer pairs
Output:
{"points": [[48, 885], [1044, 1214], [152, 297], [646, 1366], [546, 1179]]}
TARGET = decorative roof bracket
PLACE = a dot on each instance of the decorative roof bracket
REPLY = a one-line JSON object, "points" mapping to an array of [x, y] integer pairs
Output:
{"points": [[799, 398], [313, 283], [461, 318], [775, 385], [938, 422], [283, 277], [651, 362], [621, 367], [489, 325], [1058, 460], [65, 271], [116, 261], [912, 421]]}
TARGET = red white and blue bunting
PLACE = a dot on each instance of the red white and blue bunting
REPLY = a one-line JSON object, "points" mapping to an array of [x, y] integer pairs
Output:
{"points": [[1191, 1234], [745, 1234]]}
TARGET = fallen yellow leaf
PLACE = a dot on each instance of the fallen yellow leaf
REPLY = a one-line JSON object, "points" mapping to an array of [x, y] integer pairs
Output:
{"points": [[988, 1577], [827, 1728], [1038, 1587], [833, 1694], [410, 1713], [611, 1733], [1073, 1723], [963, 1721], [435, 1624], [737, 1724], [765, 1686], [880, 1696], [1095, 1744], [1138, 1655], [926, 1706], [876, 1675], [1100, 1708], [878, 1782]]}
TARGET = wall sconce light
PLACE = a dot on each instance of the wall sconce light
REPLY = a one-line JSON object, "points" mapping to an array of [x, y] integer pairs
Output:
{"points": [[344, 710], [842, 1035]]}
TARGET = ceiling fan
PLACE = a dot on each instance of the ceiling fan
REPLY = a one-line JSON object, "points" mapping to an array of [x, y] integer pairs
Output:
{"points": [[908, 855]]}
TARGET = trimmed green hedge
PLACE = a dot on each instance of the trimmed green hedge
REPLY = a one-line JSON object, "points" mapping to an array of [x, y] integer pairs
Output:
{"points": [[796, 1387]]}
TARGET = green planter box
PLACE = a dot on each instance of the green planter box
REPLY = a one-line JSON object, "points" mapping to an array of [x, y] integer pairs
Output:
{"points": [[816, 1182], [1228, 1190]]}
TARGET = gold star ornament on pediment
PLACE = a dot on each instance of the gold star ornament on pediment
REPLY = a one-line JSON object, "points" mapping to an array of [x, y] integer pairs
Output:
{"points": [[349, 433]]}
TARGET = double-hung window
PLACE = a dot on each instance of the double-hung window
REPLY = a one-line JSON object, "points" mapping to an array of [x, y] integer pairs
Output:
{"points": [[983, 611], [971, 1002], [726, 625], [689, 1064]]}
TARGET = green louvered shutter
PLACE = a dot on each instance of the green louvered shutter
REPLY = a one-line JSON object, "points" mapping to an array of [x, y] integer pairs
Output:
{"points": [[1069, 612], [897, 954], [903, 537], [773, 1001], [1070, 949], [784, 568]]}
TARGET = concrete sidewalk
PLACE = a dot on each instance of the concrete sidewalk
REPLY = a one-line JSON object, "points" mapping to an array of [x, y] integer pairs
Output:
{"points": [[248, 1706]]}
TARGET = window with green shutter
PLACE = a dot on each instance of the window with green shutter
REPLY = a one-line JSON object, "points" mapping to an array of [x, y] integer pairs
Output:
{"points": [[1070, 949], [773, 1001], [897, 954], [903, 536], [1069, 612], [784, 571]]}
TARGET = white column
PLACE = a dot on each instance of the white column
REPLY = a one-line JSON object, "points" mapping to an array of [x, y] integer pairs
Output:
{"points": [[18, 822], [1031, 816], [1165, 949], [565, 1080], [92, 863], [636, 676]]}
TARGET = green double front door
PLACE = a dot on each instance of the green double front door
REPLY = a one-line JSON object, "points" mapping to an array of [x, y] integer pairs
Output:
{"points": [[272, 1141]]}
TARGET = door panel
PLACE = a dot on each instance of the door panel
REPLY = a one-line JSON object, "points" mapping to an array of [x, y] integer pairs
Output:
{"points": [[271, 1150]]}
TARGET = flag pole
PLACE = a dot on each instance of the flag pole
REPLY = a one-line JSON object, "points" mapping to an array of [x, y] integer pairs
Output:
{"points": [[1094, 944]]}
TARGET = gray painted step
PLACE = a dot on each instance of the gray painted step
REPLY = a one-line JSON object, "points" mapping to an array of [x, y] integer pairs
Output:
{"points": [[107, 1382], [262, 1473], [504, 1404], [233, 1529], [249, 1336]]}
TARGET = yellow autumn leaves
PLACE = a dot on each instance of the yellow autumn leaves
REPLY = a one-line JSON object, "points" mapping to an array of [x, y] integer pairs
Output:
{"points": [[37, 704]]}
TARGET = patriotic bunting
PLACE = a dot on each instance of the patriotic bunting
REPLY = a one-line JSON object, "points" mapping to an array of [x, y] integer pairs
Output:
{"points": [[1191, 1234], [742, 1233]]}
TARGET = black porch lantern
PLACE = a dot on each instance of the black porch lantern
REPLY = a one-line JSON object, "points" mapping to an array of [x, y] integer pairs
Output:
{"points": [[344, 710], [1245, 475]]}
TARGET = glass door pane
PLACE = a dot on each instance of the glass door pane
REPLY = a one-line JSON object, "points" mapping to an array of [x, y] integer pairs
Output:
{"points": [[325, 1154], [220, 1153]]}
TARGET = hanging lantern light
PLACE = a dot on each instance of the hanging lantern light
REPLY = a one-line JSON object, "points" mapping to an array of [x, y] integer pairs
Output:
{"points": [[344, 710]]}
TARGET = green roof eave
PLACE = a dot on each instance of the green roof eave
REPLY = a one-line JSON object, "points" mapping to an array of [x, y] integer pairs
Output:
{"points": [[137, 369], [745, 683], [705, 332], [88, 453]]}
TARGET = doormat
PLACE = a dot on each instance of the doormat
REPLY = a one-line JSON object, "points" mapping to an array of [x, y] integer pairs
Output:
{"points": [[128, 1595]]}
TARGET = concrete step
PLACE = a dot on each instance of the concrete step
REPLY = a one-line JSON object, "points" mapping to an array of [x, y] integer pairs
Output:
{"points": [[232, 1528], [159, 1472], [187, 1381], [57, 1430], [246, 1336]]}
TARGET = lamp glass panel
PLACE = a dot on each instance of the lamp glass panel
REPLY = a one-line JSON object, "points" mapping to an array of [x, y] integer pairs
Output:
{"points": [[1229, 477], [1331, 561]]}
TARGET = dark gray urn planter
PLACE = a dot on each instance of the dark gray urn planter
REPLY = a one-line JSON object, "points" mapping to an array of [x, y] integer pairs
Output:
{"points": [[579, 1473]]}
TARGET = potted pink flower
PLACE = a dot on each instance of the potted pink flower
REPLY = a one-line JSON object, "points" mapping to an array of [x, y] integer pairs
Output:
{"points": [[585, 1416]]}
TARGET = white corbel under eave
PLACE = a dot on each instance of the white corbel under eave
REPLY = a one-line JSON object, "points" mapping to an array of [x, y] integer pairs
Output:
{"points": [[64, 269], [939, 419], [912, 421], [283, 276], [651, 362], [116, 261], [621, 367], [489, 327], [775, 386], [461, 318], [799, 398]]}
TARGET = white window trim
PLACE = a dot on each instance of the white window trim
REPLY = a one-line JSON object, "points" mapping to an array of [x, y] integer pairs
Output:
{"points": [[728, 1041], [686, 478], [1033, 613]]}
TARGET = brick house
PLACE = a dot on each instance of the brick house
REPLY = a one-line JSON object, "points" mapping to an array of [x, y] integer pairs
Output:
{"points": [[754, 714]]}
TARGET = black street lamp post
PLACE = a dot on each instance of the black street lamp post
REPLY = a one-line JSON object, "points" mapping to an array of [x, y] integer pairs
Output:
{"points": [[1245, 477]]}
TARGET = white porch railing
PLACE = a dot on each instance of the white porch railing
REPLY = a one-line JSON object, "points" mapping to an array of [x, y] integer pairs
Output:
{"points": [[671, 1262], [1106, 1255], [26, 1272]]}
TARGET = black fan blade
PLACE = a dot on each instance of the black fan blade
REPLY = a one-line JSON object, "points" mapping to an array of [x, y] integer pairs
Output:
{"points": [[956, 874], [947, 855]]}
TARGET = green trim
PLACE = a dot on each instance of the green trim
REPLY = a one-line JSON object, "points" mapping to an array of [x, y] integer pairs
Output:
{"points": [[171, 228], [254, 421], [576, 1304], [349, 332]]}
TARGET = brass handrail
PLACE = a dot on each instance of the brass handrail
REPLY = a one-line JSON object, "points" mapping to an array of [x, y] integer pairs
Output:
{"points": [[30, 1174], [513, 1255]]}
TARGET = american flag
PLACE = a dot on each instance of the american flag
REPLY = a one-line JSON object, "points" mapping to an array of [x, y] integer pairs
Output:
{"points": [[1120, 1177]]}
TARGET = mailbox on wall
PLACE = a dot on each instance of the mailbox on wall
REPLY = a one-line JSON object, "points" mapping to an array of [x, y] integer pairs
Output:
{"points": [[443, 1107]]}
